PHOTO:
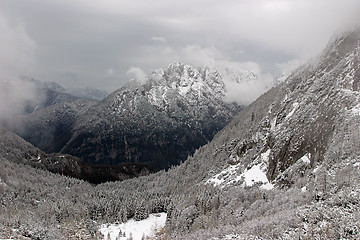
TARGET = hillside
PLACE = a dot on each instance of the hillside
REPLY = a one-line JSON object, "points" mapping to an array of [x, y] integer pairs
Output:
{"points": [[289, 160], [17, 150], [286, 167]]}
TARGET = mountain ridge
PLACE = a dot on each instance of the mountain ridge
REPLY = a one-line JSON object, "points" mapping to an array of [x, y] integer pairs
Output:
{"points": [[172, 113]]}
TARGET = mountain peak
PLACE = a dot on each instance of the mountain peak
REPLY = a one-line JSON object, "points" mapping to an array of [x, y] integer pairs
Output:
{"points": [[178, 106]]}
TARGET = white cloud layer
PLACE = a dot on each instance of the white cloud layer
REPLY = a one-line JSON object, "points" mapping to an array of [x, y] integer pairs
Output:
{"points": [[17, 57], [137, 74], [158, 39], [84, 37]]}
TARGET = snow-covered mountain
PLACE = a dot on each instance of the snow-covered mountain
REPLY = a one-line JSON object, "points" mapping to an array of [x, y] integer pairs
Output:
{"points": [[286, 167], [159, 122], [299, 141], [49, 114], [297, 123]]}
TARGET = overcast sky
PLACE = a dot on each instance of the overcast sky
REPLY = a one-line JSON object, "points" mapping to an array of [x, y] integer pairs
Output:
{"points": [[102, 44]]}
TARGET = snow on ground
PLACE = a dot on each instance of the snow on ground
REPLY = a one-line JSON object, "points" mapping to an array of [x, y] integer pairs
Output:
{"points": [[237, 237], [295, 106], [136, 229], [221, 177], [306, 158], [356, 110], [273, 124], [316, 169], [256, 174], [253, 175]]}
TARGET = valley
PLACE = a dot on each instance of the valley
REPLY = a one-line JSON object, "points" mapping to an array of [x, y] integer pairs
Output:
{"points": [[284, 167]]}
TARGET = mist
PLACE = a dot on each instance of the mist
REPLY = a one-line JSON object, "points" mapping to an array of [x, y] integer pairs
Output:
{"points": [[104, 44], [17, 57]]}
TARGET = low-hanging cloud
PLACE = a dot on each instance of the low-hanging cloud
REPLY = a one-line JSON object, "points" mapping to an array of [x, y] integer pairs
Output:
{"points": [[16, 58], [85, 37], [137, 74], [158, 39], [244, 81], [246, 92], [109, 72]]}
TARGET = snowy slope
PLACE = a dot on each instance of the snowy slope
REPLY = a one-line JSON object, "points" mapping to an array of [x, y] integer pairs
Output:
{"points": [[302, 135], [137, 229], [299, 123]]}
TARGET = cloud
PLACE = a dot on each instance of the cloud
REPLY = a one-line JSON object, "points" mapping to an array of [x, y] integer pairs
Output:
{"points": [[137, 74], [109, 72], [248, 91], [88, 36], [244, 81], [289, 66], [158, 39], [17, 57]]}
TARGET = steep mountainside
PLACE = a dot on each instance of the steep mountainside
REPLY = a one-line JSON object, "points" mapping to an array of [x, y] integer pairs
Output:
{"points": [[158, 122], [299, 141], [299, 119]]}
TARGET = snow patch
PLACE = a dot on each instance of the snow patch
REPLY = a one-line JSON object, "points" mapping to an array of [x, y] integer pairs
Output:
{"points": [[273, 124], [295, 106], [136, 229], [223, 175], [306, 158], [183, 90], [255, 175], [265, 156], [356, 110], [236, 237], [267, 186]]}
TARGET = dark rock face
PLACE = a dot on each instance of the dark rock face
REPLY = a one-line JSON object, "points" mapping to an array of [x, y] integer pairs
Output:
{"points": [[159, 122]]}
